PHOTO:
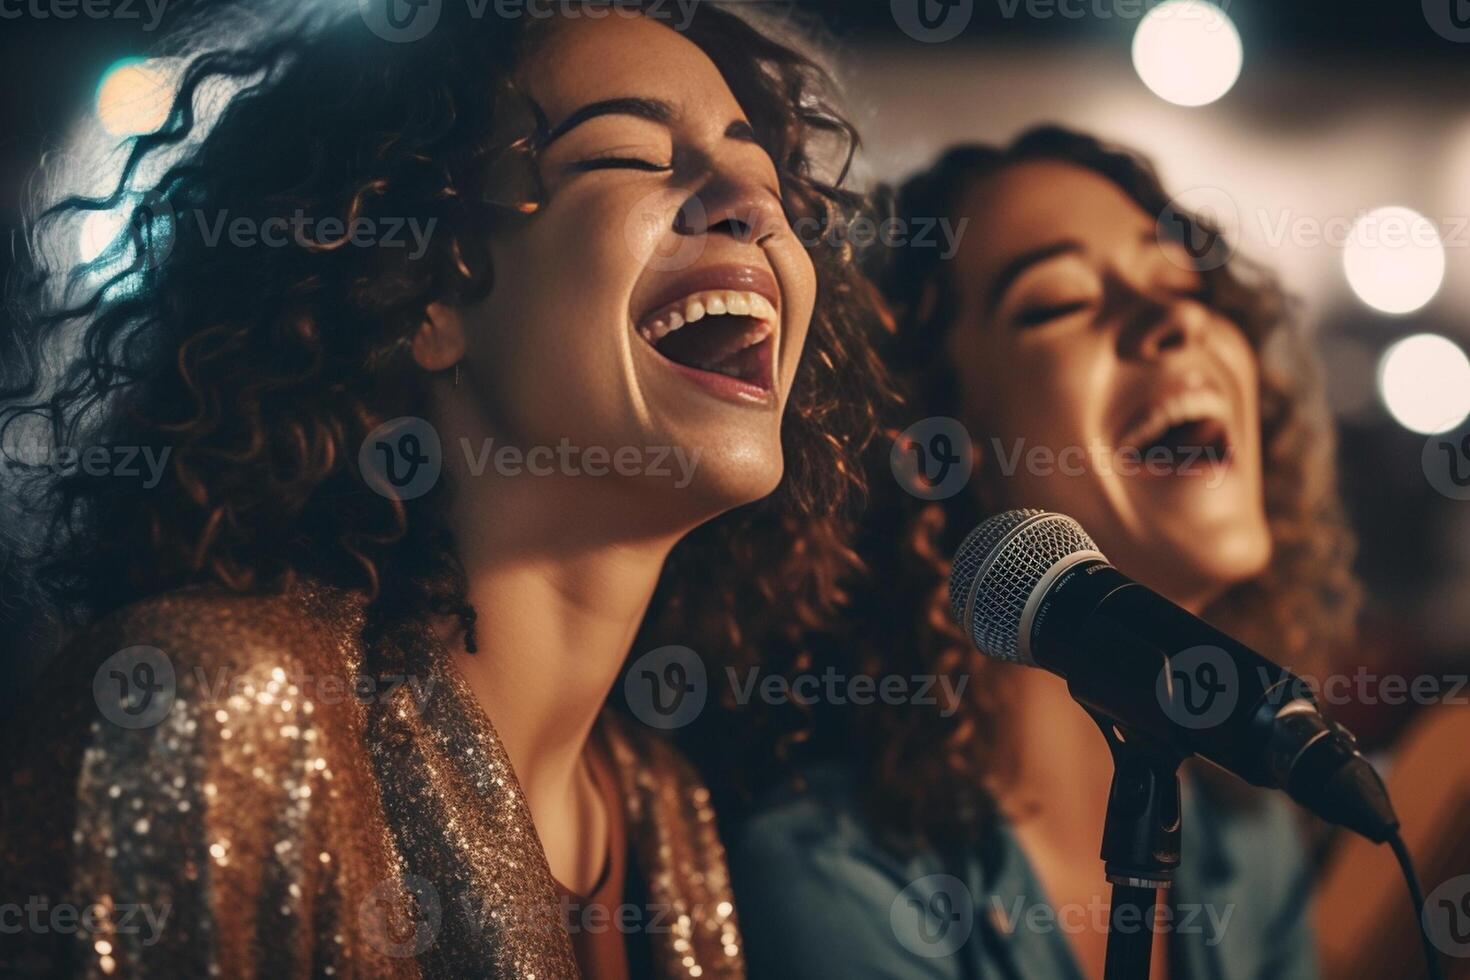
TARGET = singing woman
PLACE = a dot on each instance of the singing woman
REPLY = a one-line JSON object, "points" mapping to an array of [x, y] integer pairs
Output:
{"points": [[1180, 423], [325, 714]]}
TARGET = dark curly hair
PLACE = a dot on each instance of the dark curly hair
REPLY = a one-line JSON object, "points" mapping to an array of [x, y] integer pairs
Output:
{"points": [[930, 769], [262, 370]]}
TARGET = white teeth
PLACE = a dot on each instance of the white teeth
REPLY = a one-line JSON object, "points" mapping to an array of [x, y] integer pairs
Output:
{"points": [[697, 306], [1190, 406]]}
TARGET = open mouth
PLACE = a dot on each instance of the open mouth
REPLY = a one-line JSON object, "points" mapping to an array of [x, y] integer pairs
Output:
{"points": [[719, 334], [1182, 436]]}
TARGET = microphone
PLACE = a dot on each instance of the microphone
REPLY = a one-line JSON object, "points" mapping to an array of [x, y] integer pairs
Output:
{"points": [[1031, 587]]}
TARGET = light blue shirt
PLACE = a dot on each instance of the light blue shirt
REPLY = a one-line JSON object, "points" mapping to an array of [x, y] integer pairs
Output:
{"points": [[820, 899]]}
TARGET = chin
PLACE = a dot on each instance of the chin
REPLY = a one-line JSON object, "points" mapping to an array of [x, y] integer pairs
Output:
{"points": [[1200, 568], [726, 480]]}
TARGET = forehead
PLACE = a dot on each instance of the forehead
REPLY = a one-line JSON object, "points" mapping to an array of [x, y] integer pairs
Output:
{"points": [[621, 55], [1037, 203]]}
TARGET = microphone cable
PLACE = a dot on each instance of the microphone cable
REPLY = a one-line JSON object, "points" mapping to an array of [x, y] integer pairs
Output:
{"points": [[1416, 895]]}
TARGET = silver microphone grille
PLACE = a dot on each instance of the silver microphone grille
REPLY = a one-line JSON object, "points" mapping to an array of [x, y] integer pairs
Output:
{"points": [[998, 568]]}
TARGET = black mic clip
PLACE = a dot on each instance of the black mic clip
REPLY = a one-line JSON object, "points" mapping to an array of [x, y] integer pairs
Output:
{"points": [[1140, 842]]}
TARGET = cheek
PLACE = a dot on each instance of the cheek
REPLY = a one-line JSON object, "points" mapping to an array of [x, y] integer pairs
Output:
{"points": [[1241, 361], [799, 283], [1050, 393]]}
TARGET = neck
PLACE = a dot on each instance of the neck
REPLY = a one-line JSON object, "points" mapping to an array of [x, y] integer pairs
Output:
{"points": [[560, 587], [1063, 766]]}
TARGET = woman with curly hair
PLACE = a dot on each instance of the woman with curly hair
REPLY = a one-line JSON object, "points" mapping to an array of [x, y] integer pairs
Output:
{"points": [[325, 715], [1179, 422]]}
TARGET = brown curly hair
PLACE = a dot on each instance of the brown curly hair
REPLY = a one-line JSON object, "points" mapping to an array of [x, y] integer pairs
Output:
{"points": [[263, 370], [930, 770]]}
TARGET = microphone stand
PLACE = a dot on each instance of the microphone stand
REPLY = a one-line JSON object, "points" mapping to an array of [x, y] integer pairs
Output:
{"points": [[1140, 844]]}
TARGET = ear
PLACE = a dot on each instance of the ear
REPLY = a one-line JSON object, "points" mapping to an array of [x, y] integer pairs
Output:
{"points": [[439, 343]]}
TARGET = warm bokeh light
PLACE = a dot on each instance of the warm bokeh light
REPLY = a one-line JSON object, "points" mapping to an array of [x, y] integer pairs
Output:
{"points": [[135, 97], [1187, 52], [1394, 260], [1424, 381]]}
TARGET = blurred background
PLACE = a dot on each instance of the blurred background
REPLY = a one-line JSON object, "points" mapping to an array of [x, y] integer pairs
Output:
{"points": [[1330, 140]]}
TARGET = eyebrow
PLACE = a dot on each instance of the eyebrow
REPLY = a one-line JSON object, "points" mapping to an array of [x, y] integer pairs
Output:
{"points": [[1014, 268], [655, 110]]}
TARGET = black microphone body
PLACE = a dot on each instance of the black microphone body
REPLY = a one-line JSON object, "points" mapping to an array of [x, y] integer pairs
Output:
{"points": [[1125, 652]]}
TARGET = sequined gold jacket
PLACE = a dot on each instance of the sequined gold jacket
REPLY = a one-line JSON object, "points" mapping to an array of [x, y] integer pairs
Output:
{"points": [[205, 785]]}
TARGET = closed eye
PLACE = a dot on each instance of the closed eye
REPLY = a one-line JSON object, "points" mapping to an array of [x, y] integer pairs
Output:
{"points": [[619, 163], [1035, 316]]}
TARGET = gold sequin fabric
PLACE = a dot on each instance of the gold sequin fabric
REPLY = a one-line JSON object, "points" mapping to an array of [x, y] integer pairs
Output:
{"points": [[257, 805]]}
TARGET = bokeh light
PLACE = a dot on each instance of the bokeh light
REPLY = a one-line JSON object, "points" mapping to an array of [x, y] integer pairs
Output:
{"points": [[1394, 260], [1187, 52], [1424, 381]]}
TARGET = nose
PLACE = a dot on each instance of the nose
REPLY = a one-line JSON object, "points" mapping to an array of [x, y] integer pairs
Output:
{"points": [[740, 207], [1160, 326]]}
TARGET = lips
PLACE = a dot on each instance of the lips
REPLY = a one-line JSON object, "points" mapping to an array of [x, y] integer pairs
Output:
{"points": [[717, 326], [1185, 429]]}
